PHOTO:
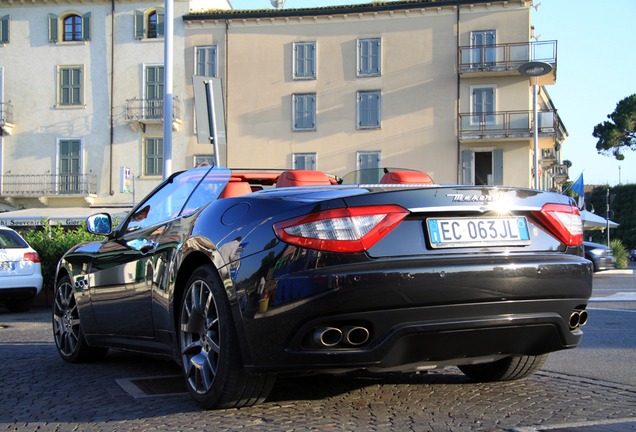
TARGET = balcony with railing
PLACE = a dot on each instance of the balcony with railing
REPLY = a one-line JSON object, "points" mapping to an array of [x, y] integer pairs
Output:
{"points": [[141, 112], [6, 118], [560, 173], [548, 157], [509, 124], [44, 186], [505, 59]]}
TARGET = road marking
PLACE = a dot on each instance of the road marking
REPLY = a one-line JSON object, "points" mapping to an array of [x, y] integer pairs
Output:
{"points": [[613, 310], [618, 297]]}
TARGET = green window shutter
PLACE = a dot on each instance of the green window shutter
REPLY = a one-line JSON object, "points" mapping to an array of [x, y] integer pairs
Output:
{"points": [[53, 28], [467, 165], [160, 23], [498, 162], [5, 23], [86, 26], [139, 24]]}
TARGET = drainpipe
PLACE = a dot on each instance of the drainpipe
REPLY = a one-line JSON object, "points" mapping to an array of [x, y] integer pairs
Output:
{"points": [[112, 93], [227, 144], [459, 153]]}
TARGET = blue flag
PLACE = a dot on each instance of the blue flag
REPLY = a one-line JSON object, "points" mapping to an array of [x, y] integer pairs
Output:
{"points": [[578, 186]]}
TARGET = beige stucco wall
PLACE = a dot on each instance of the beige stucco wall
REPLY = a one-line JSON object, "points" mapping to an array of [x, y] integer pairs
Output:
{"points": [[418, 88]]}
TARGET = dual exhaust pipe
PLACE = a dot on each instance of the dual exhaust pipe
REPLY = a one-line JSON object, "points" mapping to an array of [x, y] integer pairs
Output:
{"points": [[348, 335], [578, 318]]}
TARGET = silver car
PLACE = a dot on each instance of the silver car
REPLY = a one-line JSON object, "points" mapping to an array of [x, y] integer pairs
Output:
{"points": [[20, 272]]}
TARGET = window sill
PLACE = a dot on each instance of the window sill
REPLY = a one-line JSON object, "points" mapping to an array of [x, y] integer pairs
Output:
{"points": [[304, 130], [369, 75], [71, 43], [369, 127], [151, 39], [150, 177], [70, 107], [297, 78]]}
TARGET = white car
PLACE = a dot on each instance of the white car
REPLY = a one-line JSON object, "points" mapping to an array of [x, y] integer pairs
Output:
{"points": [[20, 272]]}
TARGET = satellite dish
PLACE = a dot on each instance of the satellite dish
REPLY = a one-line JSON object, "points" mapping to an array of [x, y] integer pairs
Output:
{"points": [[278, 4]]}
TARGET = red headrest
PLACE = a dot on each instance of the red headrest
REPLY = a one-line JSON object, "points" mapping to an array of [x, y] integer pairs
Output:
{"points": [[234, 189], [406, 177], [302, 178]]}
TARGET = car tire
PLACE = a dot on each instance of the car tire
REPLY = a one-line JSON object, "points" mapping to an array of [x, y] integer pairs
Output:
{"points": [[22, 305], [506, 369], [210, 354], [67, 327]]}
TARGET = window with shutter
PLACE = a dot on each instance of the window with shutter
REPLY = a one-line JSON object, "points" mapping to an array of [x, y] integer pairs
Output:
{"points": [[304, 161], [5, 33], [369, 167], [369, 110], [149, 24], [70, 86], [153, 156], [304, 60], [369, 57], [154, 92], [304, 112], [205, 61], [483, 105], [484, 52], [69, 166]]}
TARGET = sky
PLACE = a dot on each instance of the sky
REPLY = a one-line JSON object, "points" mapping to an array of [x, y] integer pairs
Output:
{"points": [[595, 70]]}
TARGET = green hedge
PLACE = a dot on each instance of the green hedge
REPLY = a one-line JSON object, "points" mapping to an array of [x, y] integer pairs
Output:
{"points": [[51, 243]]}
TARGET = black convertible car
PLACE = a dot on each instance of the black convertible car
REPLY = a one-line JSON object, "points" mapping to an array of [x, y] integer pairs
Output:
{"points": [[240, 275]]}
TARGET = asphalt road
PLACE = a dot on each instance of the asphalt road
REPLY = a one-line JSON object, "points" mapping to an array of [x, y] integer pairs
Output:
{"points": [[608, 349]]}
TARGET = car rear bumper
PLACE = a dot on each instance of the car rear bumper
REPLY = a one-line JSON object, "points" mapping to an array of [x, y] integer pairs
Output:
{"points": [[21, 293], [417, 318]]}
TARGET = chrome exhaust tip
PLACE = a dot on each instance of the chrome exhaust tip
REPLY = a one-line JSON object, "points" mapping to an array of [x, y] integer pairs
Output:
{"points": [[583, 316], [575, 319], [355, 335], [327, 336]]}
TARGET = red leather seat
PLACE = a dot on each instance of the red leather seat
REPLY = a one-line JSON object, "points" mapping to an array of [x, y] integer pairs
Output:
{"points": [[302, 178], [234, 189], [406, 177]]}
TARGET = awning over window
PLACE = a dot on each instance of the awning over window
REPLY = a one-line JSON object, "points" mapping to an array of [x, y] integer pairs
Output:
{"points": [[67, 216]]}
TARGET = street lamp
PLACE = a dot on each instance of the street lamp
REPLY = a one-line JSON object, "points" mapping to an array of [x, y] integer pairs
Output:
{"points": [[535, 69]]}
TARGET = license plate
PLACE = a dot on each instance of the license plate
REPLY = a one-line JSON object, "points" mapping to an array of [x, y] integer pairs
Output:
{"points": [[7, 266], [474, 232]]}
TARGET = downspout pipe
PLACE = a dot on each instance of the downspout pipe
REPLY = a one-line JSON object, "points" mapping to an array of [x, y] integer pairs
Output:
{"points": [[112, 99], [460, 174]]}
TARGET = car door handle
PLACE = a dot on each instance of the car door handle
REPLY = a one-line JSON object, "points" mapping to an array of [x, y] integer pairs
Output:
{"points": [[142, 245], [147, 247]]}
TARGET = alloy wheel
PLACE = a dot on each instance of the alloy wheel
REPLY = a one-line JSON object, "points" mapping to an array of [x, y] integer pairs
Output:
{"points": [[66, 322], [200, 337]]}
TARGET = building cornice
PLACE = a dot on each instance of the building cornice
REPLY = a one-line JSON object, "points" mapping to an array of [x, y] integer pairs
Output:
{"points": [[49, 3], [348, 10]]}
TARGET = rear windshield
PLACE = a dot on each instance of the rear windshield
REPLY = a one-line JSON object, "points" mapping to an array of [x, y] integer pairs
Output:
{"points": [[11, 239]]}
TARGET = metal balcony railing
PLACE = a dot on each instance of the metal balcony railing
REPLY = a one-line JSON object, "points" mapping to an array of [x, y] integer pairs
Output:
{"points": [[48, 184], [150, 109], [6, 113], [507, 124], [505, 56]]}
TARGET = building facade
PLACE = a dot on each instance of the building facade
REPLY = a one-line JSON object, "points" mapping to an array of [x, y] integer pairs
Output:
{"points": [[432, 86], [81, 93]]}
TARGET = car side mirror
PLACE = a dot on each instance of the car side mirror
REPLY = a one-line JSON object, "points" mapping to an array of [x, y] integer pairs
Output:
{"points": [[99, 224]]}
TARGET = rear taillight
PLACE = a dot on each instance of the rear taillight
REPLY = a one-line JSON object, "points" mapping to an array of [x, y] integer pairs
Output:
{"points": [[353, 229], [563, 221], [31, 256]]}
